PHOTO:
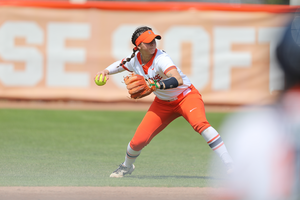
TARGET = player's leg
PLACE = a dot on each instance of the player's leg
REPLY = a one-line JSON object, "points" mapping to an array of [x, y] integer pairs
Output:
{"points": [[192, 109], [156, 119], [216, 143], [130, 156]]}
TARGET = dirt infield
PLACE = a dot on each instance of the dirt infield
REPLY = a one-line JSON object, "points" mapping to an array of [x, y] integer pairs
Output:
{"points": [[105, 193]]}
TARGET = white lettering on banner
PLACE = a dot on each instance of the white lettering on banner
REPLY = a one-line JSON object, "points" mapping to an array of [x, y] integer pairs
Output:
{"points": [[33, 72], [272, 36], [121, 41], [200, 51], [224, 58], [121, 47], [58, 54]]}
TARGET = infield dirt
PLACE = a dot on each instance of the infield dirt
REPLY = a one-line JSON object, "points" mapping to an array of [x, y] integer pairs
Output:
{"points": [[106, 193]]}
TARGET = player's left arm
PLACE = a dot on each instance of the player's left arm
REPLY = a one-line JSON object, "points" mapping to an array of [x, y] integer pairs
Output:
{"points": [[174, 80]]}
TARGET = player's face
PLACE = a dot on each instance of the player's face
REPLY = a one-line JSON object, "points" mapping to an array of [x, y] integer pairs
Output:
{"points": [[148, 48]]}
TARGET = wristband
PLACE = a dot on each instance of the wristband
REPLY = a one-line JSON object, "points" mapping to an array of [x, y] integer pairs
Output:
{"points": [[168, 83]]}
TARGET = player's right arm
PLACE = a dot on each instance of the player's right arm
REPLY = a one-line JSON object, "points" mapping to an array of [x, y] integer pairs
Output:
{"points": [[114, 68]]}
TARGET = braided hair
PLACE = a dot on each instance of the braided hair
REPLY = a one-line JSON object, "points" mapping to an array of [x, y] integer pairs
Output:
{"points": [[139, 31]]}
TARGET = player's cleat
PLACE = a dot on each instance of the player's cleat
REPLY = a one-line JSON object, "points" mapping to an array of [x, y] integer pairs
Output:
{"points": [[122, 171], [230, 168]]}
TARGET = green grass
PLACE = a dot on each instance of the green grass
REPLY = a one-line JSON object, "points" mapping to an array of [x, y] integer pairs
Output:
{"points": [[82, 148]]}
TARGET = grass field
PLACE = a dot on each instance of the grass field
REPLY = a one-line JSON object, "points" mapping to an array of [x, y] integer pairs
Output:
{"points": [[82, 148]]}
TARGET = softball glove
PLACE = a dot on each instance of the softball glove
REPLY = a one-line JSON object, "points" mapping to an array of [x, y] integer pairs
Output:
{"points": [[139, 87]]}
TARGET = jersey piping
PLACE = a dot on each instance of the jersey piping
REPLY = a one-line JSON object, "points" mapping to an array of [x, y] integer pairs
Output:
{"points": [[148, 64], [170, 68]]}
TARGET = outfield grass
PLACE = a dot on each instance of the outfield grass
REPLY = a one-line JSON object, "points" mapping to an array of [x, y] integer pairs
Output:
{"points": [[82, 148]]}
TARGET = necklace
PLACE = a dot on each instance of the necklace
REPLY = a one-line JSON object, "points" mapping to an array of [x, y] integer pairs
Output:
{"points": [[143, 62]]}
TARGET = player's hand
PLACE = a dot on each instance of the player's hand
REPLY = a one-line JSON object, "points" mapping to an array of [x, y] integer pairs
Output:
{"points": [[104, 73]]}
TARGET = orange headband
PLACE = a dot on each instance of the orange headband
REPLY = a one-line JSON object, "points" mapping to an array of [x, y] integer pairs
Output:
{"points": [[146, 37]]}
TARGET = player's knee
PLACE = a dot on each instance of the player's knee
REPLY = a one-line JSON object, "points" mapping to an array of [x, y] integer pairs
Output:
{"points": [[201, 126], [138, 145]]}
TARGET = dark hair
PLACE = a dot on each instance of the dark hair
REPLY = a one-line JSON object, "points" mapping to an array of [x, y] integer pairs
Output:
{"points": [[139, 31]]}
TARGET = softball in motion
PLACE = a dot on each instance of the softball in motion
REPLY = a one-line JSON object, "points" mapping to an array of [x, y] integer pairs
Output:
{"points": [[100, 82]]}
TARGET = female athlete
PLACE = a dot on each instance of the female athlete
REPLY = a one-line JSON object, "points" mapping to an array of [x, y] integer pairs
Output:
{"points": [[175, 97]]}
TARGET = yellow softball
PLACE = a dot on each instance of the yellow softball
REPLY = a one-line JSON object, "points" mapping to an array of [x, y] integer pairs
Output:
{"points": [[100, 82]]}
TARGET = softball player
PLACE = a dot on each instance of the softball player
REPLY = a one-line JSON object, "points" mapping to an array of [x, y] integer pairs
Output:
{"points": [[175, 97]]}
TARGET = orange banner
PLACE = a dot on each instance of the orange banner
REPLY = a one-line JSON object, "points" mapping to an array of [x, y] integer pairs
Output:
{"points": [[53, 50]]}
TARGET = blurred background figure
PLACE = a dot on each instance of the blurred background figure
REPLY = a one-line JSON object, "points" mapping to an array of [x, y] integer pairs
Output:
{"points": [[265, 142]]}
